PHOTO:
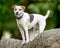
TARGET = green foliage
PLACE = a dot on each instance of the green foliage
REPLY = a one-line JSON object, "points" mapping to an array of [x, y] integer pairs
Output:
{"points": [[7, 19], [42, 9]]}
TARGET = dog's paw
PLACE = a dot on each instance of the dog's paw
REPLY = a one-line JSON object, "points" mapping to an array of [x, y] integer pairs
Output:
{"points": [[27, 41], [23, 42]]}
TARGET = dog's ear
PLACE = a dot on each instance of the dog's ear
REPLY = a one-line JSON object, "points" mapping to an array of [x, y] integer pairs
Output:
{"points": [[13, 6], [23, 7]]}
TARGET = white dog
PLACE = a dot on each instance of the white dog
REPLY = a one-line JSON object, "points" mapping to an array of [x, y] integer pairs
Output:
{"points": [[26, 21]]}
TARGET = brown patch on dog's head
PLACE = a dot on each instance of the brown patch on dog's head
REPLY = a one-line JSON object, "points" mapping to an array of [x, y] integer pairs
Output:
{"points": [[23, 7], [13, 6], [18, 9]]}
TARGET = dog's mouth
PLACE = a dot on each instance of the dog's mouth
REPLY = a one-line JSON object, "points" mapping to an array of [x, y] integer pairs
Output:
{"points": [[18, 14]]}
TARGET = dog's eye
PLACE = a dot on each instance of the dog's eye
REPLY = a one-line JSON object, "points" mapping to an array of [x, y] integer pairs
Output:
{"points": [[15, 9], [20, 9]]}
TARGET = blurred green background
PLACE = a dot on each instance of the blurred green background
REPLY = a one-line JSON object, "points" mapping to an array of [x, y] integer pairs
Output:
{"points": [[7, 19]]}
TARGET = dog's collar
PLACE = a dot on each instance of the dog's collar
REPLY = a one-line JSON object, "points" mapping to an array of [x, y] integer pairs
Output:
{"points": [[19, 17]]}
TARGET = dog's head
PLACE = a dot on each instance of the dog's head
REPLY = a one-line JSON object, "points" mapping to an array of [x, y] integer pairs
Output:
{"points": [[18, 10]]}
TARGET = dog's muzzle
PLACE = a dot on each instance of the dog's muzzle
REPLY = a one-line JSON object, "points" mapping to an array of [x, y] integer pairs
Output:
{"points": [[19, 16], [16, 13]]}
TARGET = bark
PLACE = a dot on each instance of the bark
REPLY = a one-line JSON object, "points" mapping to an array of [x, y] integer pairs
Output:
{"points": [[47, 39]]}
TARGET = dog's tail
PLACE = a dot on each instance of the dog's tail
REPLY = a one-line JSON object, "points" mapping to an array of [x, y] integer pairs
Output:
{"points": [[46, 16]]}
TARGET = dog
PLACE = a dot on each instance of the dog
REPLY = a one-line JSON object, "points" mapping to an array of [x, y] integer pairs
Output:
{"points": [[26, 21]]}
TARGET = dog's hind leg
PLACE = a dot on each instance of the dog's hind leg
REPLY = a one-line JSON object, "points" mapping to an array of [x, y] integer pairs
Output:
{"points": [[42, 26]]}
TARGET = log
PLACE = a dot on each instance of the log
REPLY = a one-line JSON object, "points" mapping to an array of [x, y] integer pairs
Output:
{"points": [[47, 39]]}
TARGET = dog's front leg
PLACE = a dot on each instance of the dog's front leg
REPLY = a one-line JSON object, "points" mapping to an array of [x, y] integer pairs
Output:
{"points": [[27, 34], [23, 36]]}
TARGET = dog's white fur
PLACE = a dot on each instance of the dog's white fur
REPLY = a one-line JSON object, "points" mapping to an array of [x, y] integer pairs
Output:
{"points": [[24, 23]]}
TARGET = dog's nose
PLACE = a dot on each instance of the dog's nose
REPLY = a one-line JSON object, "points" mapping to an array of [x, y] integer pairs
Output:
{"points": [[16, 13]]}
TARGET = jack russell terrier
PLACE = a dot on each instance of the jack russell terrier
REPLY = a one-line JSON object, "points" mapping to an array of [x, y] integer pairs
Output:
{"points": [[26, 21]]}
